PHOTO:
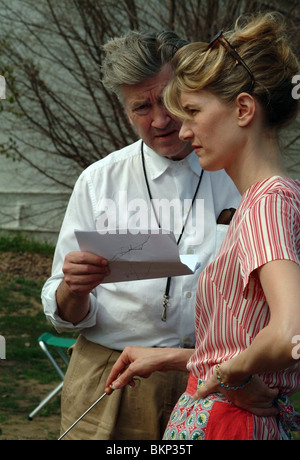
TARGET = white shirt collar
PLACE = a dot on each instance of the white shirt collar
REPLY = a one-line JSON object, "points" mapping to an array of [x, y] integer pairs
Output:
{"points": [[158, 165]]}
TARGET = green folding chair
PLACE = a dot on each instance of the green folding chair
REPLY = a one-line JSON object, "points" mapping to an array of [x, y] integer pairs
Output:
{"points": [[60, 344]]}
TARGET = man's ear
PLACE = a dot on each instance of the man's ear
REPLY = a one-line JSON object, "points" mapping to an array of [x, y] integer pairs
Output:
{"points": [[245, 109]]}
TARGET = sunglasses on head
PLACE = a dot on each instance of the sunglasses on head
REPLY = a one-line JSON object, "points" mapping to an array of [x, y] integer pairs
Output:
{"points": [[219, 38]]}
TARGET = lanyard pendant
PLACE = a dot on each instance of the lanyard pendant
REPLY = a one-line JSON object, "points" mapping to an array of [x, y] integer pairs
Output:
{"points": [[164, 310]]}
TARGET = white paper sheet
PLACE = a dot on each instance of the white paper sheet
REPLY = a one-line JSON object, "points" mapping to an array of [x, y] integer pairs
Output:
{"points": [[144, 255]]}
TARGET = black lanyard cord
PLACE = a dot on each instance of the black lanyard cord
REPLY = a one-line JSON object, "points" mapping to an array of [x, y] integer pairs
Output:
{"points": [[167, 290]]}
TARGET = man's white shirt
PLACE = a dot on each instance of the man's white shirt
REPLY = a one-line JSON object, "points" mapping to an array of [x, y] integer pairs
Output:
{"points": [[111, 194]]}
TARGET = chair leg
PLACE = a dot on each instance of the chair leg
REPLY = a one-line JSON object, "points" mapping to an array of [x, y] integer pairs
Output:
{"points": [[58, 388], [46, 400], [52, 360], [63, 355]]}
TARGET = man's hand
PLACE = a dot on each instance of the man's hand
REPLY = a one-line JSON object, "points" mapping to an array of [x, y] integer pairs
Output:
{"points": [[84, 271]]}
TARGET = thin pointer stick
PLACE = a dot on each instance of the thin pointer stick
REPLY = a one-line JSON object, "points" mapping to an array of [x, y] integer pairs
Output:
{"points": [[131, 383], [83, 415]]}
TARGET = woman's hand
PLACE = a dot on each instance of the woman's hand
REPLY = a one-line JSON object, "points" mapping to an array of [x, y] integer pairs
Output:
{"points": [[256, 397], [142, 362]]}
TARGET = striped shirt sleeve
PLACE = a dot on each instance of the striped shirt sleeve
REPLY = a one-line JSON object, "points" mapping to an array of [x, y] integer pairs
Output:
{"points": [[270, 231]]}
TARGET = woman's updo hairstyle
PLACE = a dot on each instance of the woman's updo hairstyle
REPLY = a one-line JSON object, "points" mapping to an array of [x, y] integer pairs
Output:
{"points": [[262, 43]]}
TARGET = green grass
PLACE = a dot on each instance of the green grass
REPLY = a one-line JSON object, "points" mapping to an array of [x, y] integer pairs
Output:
{"points": [[295, 399], [26, 373], [19, 242], [22, 321]]}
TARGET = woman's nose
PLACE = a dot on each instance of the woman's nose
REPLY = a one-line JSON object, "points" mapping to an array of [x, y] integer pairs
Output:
{"points": [[185, 133]]}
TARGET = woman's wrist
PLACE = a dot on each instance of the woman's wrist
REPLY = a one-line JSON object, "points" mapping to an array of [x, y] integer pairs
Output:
{"points": [[230, 379], [178, 358]]}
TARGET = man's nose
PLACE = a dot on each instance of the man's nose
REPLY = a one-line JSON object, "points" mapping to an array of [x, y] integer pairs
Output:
{"points": [[161, 118]]}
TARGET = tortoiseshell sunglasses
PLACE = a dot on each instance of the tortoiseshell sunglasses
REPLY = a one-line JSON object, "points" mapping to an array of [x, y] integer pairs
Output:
{"points": [[225, 43]]}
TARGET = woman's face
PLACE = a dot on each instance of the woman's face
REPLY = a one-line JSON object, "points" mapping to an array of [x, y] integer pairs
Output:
{"points": [[213, 129]]}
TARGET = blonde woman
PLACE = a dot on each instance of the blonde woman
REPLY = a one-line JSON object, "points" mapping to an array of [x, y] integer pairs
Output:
{"points": [[234, 95]]}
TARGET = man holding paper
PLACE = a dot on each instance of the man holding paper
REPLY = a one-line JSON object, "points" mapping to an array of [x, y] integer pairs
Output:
{"points": [[153, 185]]}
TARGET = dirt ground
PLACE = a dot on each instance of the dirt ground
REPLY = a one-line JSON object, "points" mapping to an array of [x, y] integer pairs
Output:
{"points": [[34, 266], [42, 428], [18, 426]]}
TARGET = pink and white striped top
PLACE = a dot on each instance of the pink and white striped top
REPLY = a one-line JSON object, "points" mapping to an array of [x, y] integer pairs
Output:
{"points": [[231, 307]]}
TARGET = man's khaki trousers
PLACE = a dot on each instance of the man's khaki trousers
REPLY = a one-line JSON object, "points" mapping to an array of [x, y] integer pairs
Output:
{"points": [[139, 413]]}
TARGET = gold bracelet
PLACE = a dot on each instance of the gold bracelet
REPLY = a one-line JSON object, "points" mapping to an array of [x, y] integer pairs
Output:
{"points": [[227, 386]]}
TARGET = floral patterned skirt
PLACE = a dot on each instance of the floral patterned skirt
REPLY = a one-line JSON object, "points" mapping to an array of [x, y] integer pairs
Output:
{"points": [[216, 418]]}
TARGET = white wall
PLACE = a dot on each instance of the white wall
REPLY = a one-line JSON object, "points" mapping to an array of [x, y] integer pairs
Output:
{"points": [[28, 203]]}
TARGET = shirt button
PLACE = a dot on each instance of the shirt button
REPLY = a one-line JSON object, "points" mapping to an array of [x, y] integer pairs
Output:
{"points": [[188, 294]]}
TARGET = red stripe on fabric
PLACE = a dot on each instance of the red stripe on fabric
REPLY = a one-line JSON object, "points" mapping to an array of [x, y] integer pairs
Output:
{"points": [[192, 384]]}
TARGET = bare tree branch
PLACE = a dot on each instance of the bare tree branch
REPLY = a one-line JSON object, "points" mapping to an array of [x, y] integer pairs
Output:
{"points": [[52, 55]]}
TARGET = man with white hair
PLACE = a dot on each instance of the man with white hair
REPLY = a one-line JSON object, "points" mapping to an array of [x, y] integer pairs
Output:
{"points": [[152, 313]]}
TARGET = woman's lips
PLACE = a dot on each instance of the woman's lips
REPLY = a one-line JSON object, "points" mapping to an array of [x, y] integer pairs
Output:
{"points": [[197, 148]]}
